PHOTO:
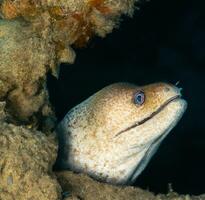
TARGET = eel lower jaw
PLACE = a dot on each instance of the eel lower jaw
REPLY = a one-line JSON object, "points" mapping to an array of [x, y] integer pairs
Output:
{"points": [[155, 143], [147, 156], [174, 98]]}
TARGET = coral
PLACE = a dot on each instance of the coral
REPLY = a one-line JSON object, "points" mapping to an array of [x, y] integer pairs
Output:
{"points": [[36, 36], [24, 57], [88, 16], [79, 186], [26, 163]]}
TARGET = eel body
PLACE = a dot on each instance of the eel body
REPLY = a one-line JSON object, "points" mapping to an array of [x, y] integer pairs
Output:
{"points": [[113, 134]]}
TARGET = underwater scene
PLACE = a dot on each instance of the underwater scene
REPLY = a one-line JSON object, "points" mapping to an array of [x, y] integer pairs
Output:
{"points": [[102, 100]]}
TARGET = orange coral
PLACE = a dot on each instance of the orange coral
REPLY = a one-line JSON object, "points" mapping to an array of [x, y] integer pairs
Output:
{"points": [[87, 21], [9, 10], [12, 9], [100, 6], [85, 30], [56, 12]]}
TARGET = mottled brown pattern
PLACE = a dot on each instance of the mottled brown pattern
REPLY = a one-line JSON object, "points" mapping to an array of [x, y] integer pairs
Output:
{"points": [[36, 37], [82, 187], [26, 163]]}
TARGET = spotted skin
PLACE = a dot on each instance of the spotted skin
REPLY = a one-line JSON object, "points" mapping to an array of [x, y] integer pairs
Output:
{"points": [[111, 138]]}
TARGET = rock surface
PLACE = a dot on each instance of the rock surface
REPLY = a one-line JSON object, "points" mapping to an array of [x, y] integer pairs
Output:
{"points": [[82, 187], [36, 36], [23, 60], [27, 157]]}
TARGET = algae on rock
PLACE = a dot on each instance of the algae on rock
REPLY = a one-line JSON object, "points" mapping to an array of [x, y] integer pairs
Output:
{"points": [[26, 161], [80, 186], [36, 36], [24, 57]]}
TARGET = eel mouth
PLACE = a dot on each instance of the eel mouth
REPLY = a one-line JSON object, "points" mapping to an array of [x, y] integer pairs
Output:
{"points": [[151, 115]]}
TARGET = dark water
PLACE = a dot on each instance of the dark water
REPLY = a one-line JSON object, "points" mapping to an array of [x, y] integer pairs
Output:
{"points": [[165, 41]]}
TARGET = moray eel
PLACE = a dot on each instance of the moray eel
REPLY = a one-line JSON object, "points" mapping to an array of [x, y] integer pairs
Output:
{"points": [[112, 135]]}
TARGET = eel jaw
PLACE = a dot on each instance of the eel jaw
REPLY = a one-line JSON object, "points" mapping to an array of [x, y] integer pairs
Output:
{"points": [[147, 157], [150, 116], [154, 145]]}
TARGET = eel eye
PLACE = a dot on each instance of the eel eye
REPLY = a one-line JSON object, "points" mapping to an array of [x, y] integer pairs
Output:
{"points": [[139, 98]]}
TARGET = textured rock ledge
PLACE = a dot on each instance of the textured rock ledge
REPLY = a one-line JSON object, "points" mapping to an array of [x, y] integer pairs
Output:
{"points": [[82, 187], [36, 36], [26, 161]]}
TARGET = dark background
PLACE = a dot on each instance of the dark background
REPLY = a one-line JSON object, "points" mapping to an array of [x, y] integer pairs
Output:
{"points": [[165, 41]]}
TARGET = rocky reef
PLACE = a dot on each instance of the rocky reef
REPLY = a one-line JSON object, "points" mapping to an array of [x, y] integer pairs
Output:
{"points": [[35, 38], [27, 157], [83, 187]]}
